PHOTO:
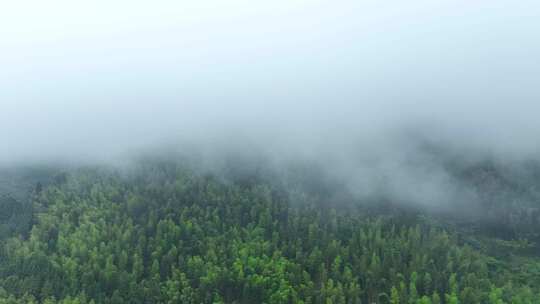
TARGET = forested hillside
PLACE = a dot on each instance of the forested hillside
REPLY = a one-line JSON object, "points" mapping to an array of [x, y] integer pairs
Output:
{"points": [[165, 233]]}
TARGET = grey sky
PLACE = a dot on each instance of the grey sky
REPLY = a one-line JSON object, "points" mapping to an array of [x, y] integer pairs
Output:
{"points": [[97, 79]]}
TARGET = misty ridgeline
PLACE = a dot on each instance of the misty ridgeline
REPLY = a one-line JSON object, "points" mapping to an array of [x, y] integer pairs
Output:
{"points": [[231, 226]]}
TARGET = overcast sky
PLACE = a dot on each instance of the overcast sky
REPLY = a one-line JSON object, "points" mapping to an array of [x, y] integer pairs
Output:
{"points": [[94, 79]]}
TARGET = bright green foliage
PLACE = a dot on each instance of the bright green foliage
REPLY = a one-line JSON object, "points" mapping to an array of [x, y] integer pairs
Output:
{"points": [[424, 300], [495, 296], [394, 296]]}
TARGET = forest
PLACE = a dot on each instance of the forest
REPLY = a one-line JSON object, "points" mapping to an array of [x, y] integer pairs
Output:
{"points": [[164, 231]]}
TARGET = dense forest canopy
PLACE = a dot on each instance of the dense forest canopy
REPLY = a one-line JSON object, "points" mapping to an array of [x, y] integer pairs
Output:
{"points": [[164, 231]]}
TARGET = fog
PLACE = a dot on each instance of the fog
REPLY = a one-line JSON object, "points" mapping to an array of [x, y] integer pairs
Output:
{"points": [[358, 86]]}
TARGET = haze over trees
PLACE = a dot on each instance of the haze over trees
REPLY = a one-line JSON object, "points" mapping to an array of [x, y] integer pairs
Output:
{"points": [[321, 152], [166, 232]]}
